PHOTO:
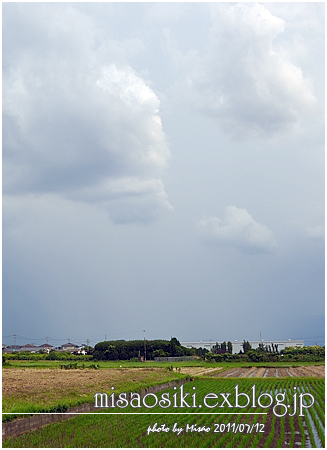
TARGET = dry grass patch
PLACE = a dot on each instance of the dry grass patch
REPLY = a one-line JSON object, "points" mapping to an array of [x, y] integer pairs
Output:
{"points": [[49, 387], [308, 371]]}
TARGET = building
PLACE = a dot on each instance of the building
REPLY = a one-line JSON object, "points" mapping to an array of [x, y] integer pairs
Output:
{"points": [[69, 347], [238, 345], [11, 348], [46, 347], [29, 348]]}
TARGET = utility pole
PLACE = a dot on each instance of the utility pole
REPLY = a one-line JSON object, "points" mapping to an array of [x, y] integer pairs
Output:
{"points": [[144, 347], [87, 343], [15, 342], [47, 339]]}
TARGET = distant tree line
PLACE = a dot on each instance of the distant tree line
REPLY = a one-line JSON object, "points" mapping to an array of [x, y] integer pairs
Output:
{"points": [[129, 350], [126, 350], [266, 353], [224, 347]]}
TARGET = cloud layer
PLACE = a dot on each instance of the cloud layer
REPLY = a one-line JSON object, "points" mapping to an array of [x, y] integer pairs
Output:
{"points": [[238, 229], [246, 80], [78, 122], [85, 89]]}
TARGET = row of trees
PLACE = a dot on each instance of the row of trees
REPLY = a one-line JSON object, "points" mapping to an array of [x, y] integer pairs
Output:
{"points": [[124, 350], [222, 348], [270, 353], [273, 348]]}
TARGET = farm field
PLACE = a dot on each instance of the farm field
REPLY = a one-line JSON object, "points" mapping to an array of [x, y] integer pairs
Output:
{"points": [[33, 389], [246, 426], [30, 390], [255, 371], [258, 372]]}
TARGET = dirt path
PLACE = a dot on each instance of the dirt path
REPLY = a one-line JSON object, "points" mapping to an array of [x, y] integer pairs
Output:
{"points": [[248, 372], [260, 372], [229, 373], [197, 371], [282, 372], [315, 371], [309, 371]]}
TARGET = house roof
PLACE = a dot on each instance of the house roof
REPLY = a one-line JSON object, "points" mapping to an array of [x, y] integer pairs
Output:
{"points": [[29, 346], [46, 345], [69, 344]]}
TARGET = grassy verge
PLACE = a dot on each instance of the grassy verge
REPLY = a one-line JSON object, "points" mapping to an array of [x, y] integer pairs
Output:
{"points": [[44, 364]]}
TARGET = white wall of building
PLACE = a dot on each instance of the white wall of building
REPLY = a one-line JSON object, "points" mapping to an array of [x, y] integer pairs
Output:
{"points": [[237, 345]]}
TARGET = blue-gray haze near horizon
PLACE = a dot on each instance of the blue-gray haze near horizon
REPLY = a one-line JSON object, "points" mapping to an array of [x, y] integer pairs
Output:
{"points": [[163, 170]]}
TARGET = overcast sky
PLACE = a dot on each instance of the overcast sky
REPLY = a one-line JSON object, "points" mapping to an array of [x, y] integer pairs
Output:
{"points": [[163, 169]]}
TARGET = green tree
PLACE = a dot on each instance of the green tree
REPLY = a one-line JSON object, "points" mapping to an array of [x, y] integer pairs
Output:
{"points": [[246, 346], [158, 353]]}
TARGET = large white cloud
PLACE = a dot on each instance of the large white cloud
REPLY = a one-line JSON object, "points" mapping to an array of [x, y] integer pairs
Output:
{"points": [[78, 120], [237, 229], [246, 80]]}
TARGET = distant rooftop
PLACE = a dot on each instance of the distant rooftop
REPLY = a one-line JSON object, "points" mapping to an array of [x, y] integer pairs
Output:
{"points": [[29, 345]]}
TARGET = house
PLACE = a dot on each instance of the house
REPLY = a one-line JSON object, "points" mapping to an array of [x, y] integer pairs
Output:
{"points": [[46, 347], [13, 348], [80, 350], [8, 348], [29, 348], [69, 347]]}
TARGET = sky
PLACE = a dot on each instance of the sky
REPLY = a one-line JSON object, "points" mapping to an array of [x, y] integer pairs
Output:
{"points": [[163, 170]]}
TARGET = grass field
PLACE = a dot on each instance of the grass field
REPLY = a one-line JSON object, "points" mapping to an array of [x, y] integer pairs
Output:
{"points": [[215, 427]]}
